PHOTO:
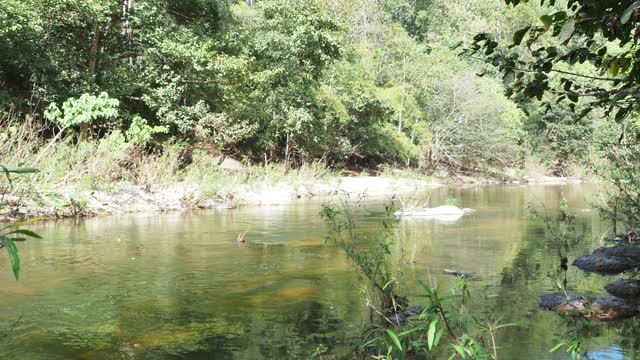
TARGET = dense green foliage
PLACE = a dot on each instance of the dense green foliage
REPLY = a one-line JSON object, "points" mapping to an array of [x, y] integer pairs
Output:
{"points": [[350, 82]]}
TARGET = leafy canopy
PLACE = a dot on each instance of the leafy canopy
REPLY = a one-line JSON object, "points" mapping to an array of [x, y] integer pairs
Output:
{"points": [[581, 49]]}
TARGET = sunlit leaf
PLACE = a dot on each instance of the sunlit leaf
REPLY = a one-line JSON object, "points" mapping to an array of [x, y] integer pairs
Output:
{"points": [[431, 334], [567, 31]]}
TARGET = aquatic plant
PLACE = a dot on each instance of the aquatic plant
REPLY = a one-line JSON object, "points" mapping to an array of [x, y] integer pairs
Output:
{"points": [[560, 229], [397, 330]]}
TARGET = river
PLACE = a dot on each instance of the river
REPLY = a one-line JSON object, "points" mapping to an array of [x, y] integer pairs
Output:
{"points": [[179, 286]]}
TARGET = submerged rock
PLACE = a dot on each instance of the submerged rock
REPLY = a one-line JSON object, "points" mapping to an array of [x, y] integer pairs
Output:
{"points": [[604, 264], [603, 308], [624, 288]]}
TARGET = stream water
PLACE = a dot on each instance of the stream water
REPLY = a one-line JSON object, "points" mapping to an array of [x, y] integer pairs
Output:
{"points": [[179, 286]]}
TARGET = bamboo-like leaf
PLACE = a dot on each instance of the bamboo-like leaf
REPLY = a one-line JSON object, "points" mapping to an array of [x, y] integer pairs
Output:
{"points": [[394, 338], [557, 347], [12, 250], [505, 325], [24, 170], [431, 334], [25, 232], [460, 351]]}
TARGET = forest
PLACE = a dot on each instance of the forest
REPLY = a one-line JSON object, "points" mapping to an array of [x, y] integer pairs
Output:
{"points": [[351, 83], [331, 179]]}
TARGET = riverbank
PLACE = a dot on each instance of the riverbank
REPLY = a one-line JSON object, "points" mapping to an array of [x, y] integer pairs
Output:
{"points": [[126, 197]]}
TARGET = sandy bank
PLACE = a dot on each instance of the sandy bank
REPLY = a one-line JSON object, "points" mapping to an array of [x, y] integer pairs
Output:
{"points": [[127, 198]]}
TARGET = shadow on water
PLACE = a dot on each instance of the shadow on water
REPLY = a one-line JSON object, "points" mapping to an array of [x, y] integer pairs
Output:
{"points": [[178, 285]]}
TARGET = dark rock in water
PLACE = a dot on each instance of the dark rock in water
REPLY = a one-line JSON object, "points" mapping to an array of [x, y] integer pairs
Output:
{"points": [[603, 308], [603, 264], [400, 319], [397, 319], [624, 288], [462, 274], [630, 251], [414, 310]]}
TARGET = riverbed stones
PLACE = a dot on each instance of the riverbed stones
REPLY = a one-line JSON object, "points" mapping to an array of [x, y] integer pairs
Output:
{"points": [[606, 265], [624, 288], [603, 308]]}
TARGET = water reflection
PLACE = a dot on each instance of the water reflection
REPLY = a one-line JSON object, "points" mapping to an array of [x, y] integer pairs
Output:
{"points": [[178, 285]]}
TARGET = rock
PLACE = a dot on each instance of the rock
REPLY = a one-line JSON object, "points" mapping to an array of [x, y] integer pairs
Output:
{"points": [[461, 274], [397, 319], [400, 318], [624, 288], [603, 308], [230, 164], [607, 265], [414, 310], [442, 213], [629, 251]]}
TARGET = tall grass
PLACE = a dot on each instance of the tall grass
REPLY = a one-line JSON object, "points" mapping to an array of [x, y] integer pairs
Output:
{"points": [[67, 164]]}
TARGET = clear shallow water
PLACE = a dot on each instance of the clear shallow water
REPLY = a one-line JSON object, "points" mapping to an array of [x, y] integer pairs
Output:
{"points": [[177, 285]]}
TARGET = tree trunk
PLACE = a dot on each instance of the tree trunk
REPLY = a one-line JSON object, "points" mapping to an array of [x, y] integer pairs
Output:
{"points": [[127, 5], [93, 63]]}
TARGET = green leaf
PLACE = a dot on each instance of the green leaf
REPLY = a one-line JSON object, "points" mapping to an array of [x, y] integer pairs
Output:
{"points": [[626, 15], [14, 257], [25, 232], [431, 334], [460, 351], [547, 21], [25, 170], [518, 35], [438, 336], [567, 31], [614, 68], [505, 325], [556, 348], [395, 339]]}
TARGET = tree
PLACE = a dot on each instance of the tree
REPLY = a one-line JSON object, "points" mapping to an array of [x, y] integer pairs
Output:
{"points": [[602, 35]]}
